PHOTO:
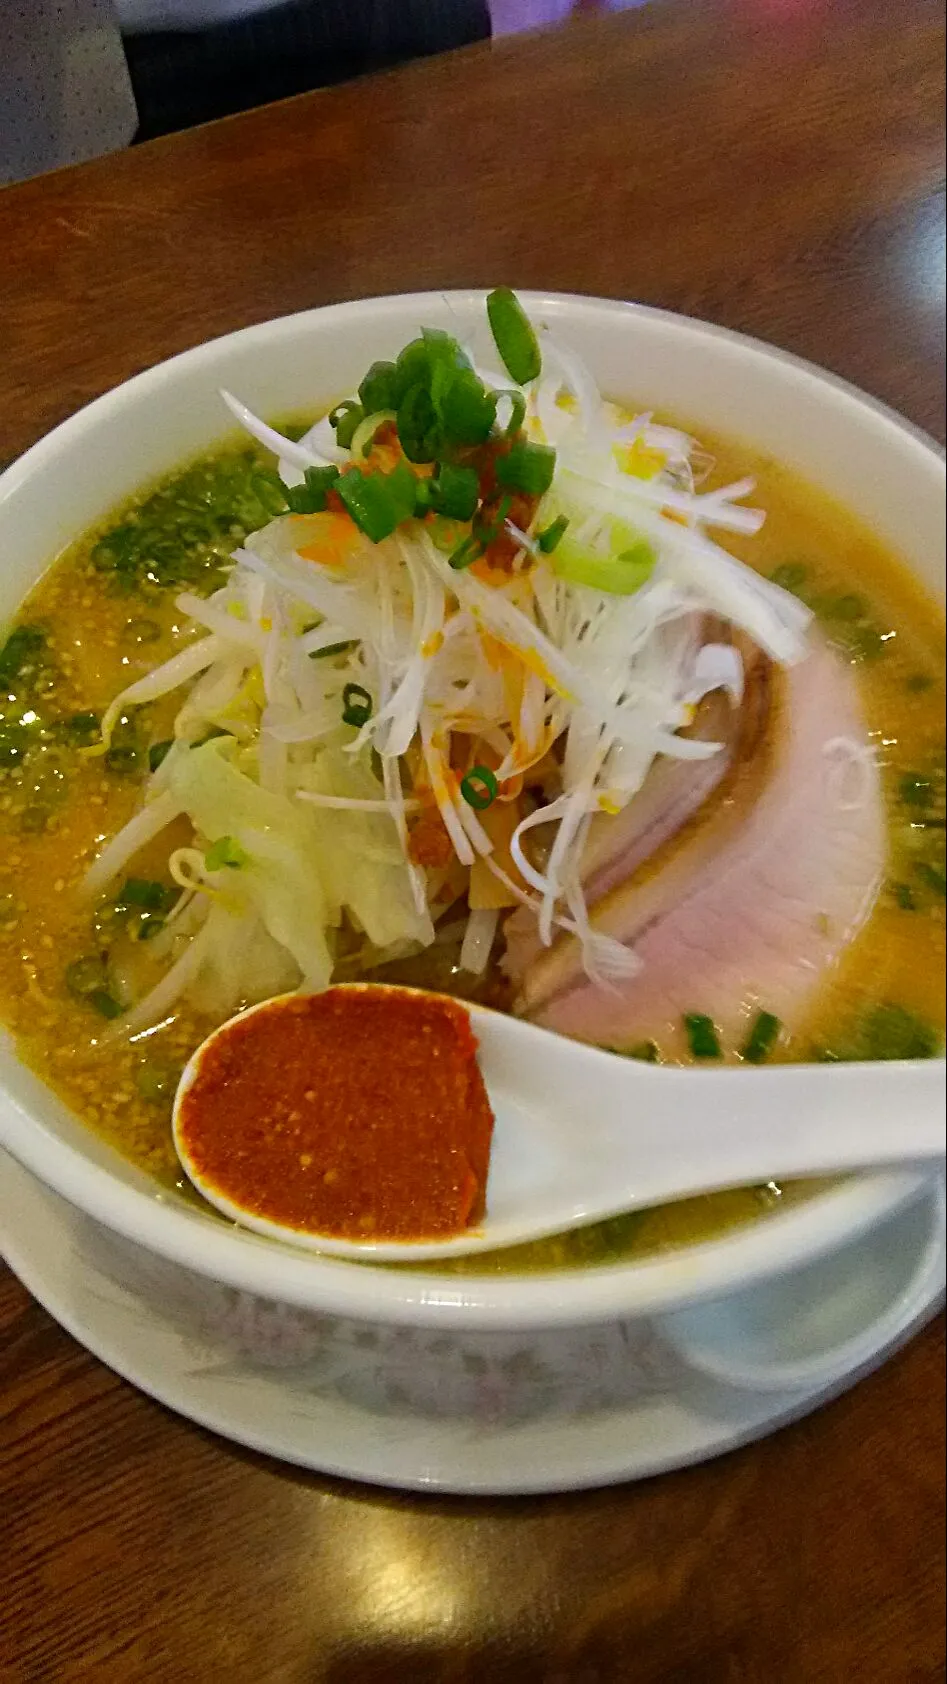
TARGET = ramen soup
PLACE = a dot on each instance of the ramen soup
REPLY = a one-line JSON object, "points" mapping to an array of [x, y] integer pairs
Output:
{"points": [[484, 686]]}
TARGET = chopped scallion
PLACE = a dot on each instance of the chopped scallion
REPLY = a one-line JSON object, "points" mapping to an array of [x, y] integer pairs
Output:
{"points": [[916, 790], [479, 788], [487, 531], [517, 413], [464, 407], [702, 1037], [333, 649], [145, 895], [619, 575], [84, 976], [142, 631], [418, 432], [791, 576], [514, 335], [124, 759], [378, 503], [454, 492], [225, 852], [647, 1052], [762, 1038], [379, 389], [82, 729], [104, 1003], [364, 436], [158, 752], [527, 467], [932, 876], [21, 652], [413, 367], [345, 418], [310, 498], [552, 534], [887, 1031], [356, 705], [466, 553], [156, 1082]]}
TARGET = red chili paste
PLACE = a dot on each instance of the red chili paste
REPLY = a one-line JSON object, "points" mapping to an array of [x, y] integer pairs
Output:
{"points": [[358, 1115]]}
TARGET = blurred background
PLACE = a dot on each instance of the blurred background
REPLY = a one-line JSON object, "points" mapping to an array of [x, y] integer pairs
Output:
{"points": [[83, 77]]}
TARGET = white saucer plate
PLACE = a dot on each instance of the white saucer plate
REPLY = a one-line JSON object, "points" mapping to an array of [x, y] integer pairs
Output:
{"points": [[668, 1414]]}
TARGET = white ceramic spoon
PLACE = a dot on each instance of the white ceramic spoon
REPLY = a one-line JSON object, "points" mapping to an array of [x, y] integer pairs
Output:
{"points": [[582, 1135]]}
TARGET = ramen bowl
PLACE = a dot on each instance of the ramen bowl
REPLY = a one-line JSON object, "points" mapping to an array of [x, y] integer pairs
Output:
{"points": [[863, 455]]}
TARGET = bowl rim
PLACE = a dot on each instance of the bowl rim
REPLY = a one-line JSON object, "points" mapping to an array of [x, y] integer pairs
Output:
{"points": [[249, 1263], [706, 1347]]}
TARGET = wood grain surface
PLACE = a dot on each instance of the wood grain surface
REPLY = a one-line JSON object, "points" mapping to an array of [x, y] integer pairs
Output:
{"points": [[777, 167]]}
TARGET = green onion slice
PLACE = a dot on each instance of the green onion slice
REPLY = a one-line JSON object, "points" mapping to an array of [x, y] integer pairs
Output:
{"points": [[20, 650], [620, 575], [464, 407], [486, 532], [417, 424], [915, 789], [356, 705], [345, 419], [413, 368], [156, 1082], [364, 434], [479, 788], [466, 553], [647, 1052], [333, 649], [762, 1038], [82, 729], [553, 534], [145, 895], [378, 503], [454, 492], [514, 335], [105, 1003], [481, 537], [123, 759], [446, 534], [527, 467], [379, 389], [310, 497], [702, 1037], [85, 976], [517, 413], [934, 878], [224, 852]]}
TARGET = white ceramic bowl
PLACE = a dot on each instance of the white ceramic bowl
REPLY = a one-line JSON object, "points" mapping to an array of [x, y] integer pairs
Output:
{"points": [[863, 454], [813, 1326]]}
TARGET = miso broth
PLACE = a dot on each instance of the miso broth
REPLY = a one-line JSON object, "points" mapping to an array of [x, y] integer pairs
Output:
{"points": [[105, 613]]}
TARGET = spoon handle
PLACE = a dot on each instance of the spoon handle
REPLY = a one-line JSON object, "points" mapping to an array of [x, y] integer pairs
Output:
{"points": [[625, 1135], [689, 1131]]}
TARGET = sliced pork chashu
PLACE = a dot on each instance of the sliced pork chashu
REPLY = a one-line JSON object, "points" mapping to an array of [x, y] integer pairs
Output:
{"points": [[754, 903]]}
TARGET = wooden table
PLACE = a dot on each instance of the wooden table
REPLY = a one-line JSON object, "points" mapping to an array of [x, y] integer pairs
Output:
{"points": [[776, 167]]}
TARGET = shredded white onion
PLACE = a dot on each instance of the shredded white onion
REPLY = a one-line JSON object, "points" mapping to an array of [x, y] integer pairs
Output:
{"points": [[477, 944], [351, 804], [158, 1002], [142, 828], [351, 680], [299, 455]]}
